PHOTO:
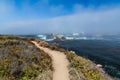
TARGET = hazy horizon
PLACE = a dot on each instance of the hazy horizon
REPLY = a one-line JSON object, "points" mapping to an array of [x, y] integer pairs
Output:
{"points": [[59, 16]]}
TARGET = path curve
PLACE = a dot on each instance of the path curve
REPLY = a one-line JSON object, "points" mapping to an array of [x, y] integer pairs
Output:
{"points": [[59, 62]]}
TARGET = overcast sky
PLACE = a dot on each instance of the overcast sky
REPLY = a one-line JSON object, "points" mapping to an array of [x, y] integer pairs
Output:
{"points": [[59, 16]]}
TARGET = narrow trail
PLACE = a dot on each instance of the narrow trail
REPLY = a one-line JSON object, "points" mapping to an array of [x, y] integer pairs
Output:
{"points": [[59, 63]]}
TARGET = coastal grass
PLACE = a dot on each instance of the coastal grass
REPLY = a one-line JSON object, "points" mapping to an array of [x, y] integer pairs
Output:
{"points": [[21, 60], [79, 68]]}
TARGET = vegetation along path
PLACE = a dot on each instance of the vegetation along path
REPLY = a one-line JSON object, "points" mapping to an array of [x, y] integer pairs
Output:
{"points": [[59, 62]]}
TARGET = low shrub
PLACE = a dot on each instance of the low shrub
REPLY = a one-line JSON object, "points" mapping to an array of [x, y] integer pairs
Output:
{"points": [[21, 60]]}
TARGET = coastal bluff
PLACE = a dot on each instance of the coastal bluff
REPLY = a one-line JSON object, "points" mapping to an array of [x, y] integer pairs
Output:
{"points": [[20, 59]]}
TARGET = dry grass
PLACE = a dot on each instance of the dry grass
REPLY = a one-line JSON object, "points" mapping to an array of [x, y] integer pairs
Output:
{"points": [[21, 60]]}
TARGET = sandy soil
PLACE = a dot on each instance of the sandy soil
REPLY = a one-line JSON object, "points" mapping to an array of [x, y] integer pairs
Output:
{"points": [[59, 62]]}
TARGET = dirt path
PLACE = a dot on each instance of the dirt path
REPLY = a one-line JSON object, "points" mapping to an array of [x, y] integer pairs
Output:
{"points": [[59, 62]]}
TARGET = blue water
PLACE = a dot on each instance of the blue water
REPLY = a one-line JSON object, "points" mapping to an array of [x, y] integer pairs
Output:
{"points": [[105, 52]]}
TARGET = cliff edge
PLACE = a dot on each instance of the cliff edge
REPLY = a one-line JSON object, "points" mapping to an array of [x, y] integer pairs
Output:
{"points": [[20, 59]]}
